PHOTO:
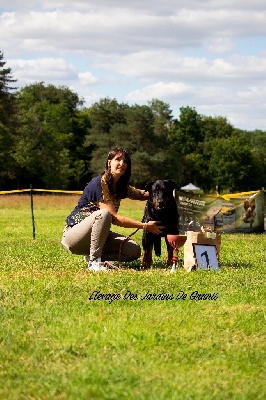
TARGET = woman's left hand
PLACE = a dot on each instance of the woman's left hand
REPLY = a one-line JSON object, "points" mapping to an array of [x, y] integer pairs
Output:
{"points": [[154, 227]]}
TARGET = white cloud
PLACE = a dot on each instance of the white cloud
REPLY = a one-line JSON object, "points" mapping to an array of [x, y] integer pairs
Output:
{"points": [[235, 105], [199, 95], [205, 53], [93, 97], [116, 30], [156, 5], [86, 78], [49, 70], [168, 66], [221, 45], [159, 90]]}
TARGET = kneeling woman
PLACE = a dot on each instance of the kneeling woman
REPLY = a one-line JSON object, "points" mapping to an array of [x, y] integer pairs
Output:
{"points": [[87, 231]]}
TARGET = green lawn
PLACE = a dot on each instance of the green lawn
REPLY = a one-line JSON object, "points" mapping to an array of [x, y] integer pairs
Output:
{"points": [[58, 341]]}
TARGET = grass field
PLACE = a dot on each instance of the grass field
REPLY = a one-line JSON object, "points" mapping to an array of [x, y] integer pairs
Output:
{"points": [[57, 341]]}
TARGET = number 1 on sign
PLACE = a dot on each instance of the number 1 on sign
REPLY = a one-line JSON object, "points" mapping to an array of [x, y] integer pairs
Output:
{"points": [[207, 259], [206, 256]]}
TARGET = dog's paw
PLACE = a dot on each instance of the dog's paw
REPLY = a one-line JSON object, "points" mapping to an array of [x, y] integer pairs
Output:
{"points": [[146, 261]]}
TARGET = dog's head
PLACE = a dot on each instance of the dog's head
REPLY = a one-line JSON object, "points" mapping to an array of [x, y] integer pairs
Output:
{"points": [[161, 191], [249, 213]]}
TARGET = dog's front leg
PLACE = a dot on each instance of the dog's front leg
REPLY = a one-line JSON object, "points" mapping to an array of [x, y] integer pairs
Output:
{"points": [[147, 243], [169, 253], [146, 259]]}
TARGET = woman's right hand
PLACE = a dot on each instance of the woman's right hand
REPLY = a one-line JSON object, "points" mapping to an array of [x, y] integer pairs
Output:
{"points": [[154, 227]]}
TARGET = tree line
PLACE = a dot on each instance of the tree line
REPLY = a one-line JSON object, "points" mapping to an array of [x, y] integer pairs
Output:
{"points": [[50, 140]]}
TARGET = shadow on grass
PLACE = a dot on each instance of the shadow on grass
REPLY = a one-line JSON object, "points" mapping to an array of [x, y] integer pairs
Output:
{"points": [[158, 264], [161, 265], [236, 265]]}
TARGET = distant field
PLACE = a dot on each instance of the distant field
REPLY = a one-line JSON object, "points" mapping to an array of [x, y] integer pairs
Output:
{"points": [[70, 334]]}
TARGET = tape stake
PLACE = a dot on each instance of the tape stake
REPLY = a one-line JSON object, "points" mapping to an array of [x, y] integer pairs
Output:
{"points": [[32, 212]]}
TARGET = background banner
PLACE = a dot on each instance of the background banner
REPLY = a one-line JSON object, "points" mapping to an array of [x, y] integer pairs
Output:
{"points": [[241, 212]]}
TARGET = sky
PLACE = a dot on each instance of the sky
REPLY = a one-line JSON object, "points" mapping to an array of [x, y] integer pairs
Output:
{"points": [[206, 54]]}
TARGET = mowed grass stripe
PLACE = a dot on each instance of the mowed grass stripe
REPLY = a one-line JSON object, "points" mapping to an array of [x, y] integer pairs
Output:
{"points": [[58, 342]]}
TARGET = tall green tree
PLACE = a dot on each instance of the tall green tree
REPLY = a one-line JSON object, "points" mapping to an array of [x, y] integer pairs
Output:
{"points": [[186, 138], [104, 116], [143, 144], [257, 141], [232, 164], [162, 117], [188, 132], [7, 103], [7, 121], [131, 127], [50, 137], [213, 130]]}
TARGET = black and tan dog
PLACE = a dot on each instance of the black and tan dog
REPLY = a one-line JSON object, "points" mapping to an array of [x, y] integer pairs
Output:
{"points": [[162, 207]]}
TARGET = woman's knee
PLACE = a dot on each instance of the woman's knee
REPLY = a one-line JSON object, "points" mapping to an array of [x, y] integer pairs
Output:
{"points": [[104, 218], [105, 215], [132, 251], [137, 251]]}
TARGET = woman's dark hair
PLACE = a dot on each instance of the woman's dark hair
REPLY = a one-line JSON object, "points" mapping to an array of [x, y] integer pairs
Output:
{"points": [[124, 179]]}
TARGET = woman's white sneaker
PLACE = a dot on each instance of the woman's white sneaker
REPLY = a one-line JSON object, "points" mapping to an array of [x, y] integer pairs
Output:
{"points": [[97, 266]]}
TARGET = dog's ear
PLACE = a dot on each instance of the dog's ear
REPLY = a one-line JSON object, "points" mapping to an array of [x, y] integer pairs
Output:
{"points": [[252, 204], [246, 204], [148, 187], [171, 184]]}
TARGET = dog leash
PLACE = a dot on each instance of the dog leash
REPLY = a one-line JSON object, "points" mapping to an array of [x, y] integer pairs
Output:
{"points": [[120, 253], [127, 238]]}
